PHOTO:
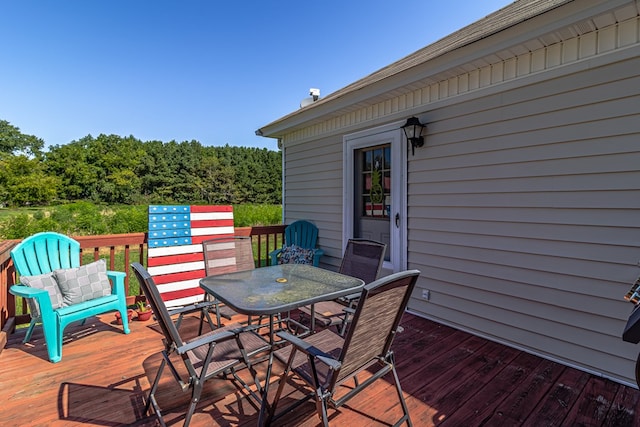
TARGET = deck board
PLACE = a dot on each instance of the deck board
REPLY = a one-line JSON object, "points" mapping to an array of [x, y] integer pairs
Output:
{"points": [[448, 377], [534, 377]]}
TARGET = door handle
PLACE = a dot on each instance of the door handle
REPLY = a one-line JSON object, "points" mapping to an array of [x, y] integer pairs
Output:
{"points": [[397, 220]]}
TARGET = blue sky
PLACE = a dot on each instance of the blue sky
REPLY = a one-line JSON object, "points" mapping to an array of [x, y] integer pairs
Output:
{"points": [[206, 70]]}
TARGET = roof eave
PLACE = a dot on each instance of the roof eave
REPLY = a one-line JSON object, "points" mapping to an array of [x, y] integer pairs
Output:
{"points": [[447, 52]]}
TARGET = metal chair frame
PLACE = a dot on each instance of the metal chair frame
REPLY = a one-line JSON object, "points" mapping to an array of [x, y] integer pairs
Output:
{"points": [[325, 360], [216, 353]]}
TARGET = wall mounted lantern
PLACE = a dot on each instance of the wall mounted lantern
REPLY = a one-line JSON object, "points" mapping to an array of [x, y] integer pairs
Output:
{"points": [[413, 131]]}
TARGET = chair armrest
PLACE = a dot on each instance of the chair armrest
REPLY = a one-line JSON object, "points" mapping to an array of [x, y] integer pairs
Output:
{"points": [[191, 308], [274, 256], [117, 278], [317, 254], [350, 299], [309, 349], [207, 339], [26, 291], [40, 295]]}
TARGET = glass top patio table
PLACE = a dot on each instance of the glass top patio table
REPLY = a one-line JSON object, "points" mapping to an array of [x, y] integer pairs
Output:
{"points": [[278, 288]]}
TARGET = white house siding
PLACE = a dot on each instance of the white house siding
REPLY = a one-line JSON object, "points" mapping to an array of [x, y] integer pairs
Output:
{"points": [[313, 191], [524, 215]]}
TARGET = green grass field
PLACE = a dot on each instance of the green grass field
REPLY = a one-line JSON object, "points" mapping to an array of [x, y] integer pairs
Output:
{"points": [[6, 213], [89, 219]]}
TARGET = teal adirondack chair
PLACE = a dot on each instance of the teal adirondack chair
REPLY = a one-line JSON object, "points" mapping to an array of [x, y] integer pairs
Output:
{"points": [[43, 253], [302, 234]]}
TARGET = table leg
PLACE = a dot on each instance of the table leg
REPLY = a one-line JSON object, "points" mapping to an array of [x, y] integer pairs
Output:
{"points": [[265, 408], [271, 330], [313, 319]]}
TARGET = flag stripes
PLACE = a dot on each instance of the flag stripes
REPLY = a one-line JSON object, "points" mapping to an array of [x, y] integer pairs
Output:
{"points": [[174, 258]]}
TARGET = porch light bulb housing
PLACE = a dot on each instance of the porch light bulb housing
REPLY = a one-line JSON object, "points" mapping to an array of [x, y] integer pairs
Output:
{"points": [[413, 131]]}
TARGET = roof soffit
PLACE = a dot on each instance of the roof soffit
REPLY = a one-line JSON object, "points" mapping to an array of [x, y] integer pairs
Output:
{"points": [[514, 30]]}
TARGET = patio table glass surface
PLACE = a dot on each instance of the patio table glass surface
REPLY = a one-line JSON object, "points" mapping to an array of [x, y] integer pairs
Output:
{"points": [[278, 288]]}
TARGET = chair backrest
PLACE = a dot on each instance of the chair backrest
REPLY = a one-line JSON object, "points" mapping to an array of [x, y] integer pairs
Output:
{"points": [[158, 306], [44, 252], [363, 259], [301, 233], [375, 321], [228, 254]]}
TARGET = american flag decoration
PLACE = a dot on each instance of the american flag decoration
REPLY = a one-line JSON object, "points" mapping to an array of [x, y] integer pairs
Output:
{"points": [[175, 259]]}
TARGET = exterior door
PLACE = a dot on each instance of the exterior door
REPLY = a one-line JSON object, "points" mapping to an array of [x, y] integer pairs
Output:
{"points": [[375, 191]]}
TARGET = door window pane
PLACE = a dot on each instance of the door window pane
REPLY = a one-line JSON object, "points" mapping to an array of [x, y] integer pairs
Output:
{"points": [[376, 182]]}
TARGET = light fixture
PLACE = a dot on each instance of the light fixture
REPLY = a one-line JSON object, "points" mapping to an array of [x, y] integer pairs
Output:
{"points": [[413, 132]]}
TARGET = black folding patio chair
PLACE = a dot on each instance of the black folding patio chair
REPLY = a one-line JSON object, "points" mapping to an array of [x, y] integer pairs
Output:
{"points": [[362, 259], [217, 353], [326, 360]]}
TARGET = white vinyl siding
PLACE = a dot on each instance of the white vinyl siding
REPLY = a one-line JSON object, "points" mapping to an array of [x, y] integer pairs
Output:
{"points": [[313, 191], [524, 215]]}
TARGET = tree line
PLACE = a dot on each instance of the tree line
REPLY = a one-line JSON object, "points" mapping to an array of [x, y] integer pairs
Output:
{"points": [[112, 169]]}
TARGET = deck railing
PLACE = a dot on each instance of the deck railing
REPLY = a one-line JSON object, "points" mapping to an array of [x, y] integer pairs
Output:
{"points": [[120, 250]]}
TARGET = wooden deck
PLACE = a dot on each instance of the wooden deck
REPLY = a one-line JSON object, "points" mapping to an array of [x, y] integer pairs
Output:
{"points": [[449, 377]]}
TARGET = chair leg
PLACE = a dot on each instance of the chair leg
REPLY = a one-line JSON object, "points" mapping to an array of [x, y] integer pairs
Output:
{"points": [[53, 338], [216, 306], [283, 379], [179, 320], [345, 323], [201, 323], [281, 383], [260, 394], [151, 400], [405, 410], [321, 406], [125, 320], [32, 325], [343, 327], [195, 398], [205, 314], [56, 356], [265, 409]]}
